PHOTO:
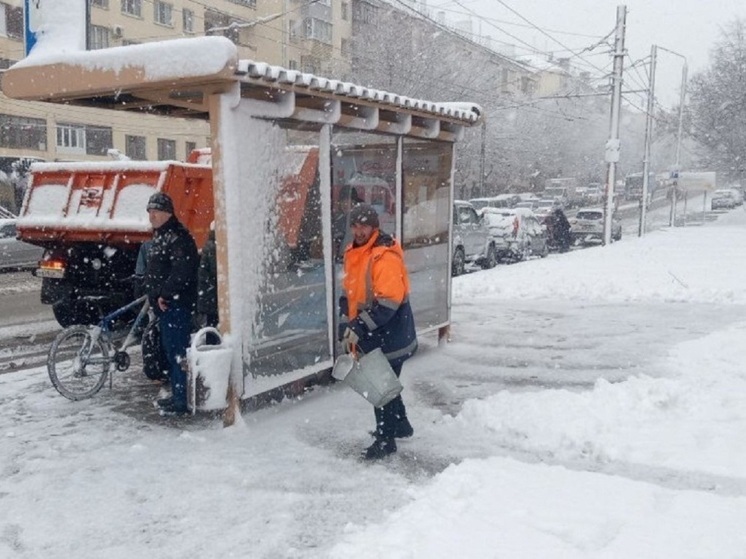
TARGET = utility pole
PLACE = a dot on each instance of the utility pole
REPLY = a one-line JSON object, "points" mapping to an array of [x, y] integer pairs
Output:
{"points": [[482, 155], [613, 145], [648, 134], [677, 169]]}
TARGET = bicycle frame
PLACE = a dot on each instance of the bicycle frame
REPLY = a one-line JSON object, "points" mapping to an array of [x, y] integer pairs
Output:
{"points": [[104, 325]]}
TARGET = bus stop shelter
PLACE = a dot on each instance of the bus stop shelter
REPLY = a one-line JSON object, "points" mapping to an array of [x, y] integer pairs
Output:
{"points": [[288, 150]]}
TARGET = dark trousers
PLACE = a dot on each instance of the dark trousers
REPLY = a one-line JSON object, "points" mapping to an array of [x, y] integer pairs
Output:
{"points": [[176, 326], [389, 415]]}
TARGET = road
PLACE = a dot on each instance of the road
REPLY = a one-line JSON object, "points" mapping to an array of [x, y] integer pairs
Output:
{"points": [[27, 327]]}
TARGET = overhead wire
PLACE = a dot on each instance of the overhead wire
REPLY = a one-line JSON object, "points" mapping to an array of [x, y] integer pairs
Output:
{"points": [[462, 87]]}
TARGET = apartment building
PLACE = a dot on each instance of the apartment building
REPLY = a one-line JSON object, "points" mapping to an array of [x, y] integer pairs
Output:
{"points": [[298, 34]]}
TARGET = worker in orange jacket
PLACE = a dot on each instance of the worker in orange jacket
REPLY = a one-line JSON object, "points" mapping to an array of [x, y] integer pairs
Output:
{"points": [[375, 313]]}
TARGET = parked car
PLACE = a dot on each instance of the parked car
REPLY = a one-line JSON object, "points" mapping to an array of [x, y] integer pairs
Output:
{"points": [[15, 254], [546, 206], [499, 201], [471, 239], [587, 226], [724, 198], [517, 233], [594, 194]]}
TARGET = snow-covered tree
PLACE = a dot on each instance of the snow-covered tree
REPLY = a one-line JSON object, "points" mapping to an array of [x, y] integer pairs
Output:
{"points": [[718, 103]]}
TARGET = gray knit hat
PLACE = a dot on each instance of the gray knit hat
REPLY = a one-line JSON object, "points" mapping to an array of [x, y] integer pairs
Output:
{"points": [[364, 214], [161, 201]]}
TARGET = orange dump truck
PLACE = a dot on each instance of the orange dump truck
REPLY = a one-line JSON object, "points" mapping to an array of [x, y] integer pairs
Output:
{"points": [[92, 219]]}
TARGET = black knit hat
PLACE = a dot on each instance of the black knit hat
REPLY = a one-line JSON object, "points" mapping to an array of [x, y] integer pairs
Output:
{"points": [[364, 214], [161, 201]]}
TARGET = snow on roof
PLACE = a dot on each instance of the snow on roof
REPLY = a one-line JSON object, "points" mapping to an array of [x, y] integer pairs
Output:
{"points": [[196, 57], [109, 166], [179, 75], [264, 72]]}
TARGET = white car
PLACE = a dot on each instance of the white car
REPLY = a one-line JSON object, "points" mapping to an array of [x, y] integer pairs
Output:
{"points": [[15, 254], [471, 239], [587, 226], [725, 198], [517, 233]]}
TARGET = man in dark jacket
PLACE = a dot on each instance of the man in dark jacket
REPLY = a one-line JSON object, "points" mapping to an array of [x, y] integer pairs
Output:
{"points": [[207, 287], [171, 286], [375, 313]]}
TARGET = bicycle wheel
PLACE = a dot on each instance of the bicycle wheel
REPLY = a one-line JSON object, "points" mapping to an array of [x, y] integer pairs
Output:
{"points": [[78, 362]]}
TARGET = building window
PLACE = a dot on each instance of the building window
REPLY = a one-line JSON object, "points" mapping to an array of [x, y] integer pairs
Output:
{"points": [[187, 19], [135, 147], [293, 30], [309, 64], [98, 37], [190, 147], [292, 64], [344, 47], [345, 11], [166, 149], [163, 13], [71, 138], [100, 4], [318, 30], [229, 27], [19, 132], [11, 21], [363, 12], [132, 7], [98, 140], [3, 18]]}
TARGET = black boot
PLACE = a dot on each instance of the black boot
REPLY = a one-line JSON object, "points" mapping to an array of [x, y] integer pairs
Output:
{"points": [[403, 429], [381, 447]]}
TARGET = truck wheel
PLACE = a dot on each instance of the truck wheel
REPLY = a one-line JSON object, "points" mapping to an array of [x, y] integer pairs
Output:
{"points": [[68, 312], [459, 262]]}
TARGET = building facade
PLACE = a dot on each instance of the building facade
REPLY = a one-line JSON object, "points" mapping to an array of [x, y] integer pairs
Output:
{"points": [[312, 37]]}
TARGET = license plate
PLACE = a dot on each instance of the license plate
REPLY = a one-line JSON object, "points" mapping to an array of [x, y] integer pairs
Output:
{"points": [[47, 273]]}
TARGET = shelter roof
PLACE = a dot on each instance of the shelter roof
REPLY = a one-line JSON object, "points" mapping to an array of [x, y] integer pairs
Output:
{"points": [[177, 78]]}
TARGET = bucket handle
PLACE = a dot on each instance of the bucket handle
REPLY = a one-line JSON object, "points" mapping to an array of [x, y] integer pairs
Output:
{"points": [[202, 335]]}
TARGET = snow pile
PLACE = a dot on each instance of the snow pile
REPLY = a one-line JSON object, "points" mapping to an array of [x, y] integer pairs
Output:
{"points": [[645, 464], [653, 270]]}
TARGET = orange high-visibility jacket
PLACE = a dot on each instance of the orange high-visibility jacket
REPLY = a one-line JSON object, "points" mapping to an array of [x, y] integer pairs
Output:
{"points": [[375, 302]]}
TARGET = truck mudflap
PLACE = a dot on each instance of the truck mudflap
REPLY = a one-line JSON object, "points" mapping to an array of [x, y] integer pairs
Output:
{"points": [[54, 290]]}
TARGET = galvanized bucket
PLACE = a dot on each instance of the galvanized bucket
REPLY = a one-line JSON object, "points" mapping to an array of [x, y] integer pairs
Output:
{"points": [[371, 376]]}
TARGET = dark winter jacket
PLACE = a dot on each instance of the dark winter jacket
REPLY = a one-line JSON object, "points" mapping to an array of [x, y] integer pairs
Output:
{"points": [[172, 266], [375, 304], [207, 284]]}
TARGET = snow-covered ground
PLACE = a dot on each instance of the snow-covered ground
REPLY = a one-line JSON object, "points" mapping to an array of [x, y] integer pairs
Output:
{"points": [[590, 405]]}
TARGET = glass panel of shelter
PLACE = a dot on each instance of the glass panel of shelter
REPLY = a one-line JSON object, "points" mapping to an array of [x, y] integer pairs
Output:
{"points": [[290, 326], [363, 169], [290, 329], [426, 169]]}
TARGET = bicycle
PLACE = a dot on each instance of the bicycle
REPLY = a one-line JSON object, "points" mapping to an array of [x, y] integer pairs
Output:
{"points": [[81, 357]]}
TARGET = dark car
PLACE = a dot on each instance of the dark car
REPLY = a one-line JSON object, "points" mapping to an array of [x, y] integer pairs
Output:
{"points": [[15, 254]]}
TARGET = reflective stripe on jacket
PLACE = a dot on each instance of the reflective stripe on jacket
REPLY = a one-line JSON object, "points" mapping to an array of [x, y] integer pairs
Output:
{"points": [[375, 303]]}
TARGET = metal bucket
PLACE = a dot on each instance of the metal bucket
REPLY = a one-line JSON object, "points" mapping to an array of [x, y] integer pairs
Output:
{"points": [[371, 376], [209, 372]]}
